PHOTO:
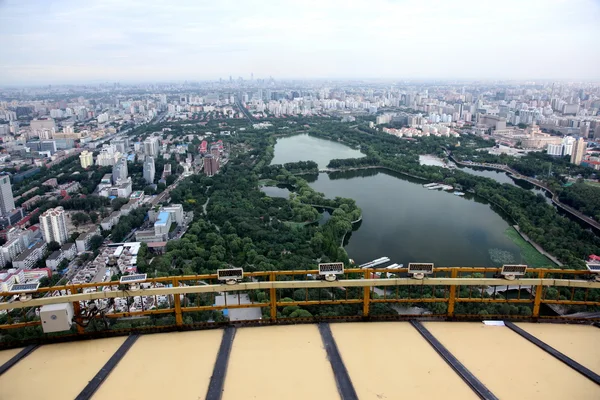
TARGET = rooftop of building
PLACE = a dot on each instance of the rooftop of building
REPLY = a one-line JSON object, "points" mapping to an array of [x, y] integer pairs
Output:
{"points": [[55, 255], [163, 218], [23, 256], [375, 360]]}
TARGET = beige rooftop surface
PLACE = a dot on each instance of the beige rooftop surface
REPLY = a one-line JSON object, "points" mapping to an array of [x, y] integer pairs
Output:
{"points": [[579, 342], [174, 365], [8, 354], [279, 362], [384, 360], [510, 366], [402, 364], [57, 371]]}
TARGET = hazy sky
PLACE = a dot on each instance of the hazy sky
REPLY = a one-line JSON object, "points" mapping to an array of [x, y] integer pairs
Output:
{"points": [[54, 41]]}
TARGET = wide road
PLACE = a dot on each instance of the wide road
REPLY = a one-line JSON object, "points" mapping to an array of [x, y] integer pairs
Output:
{"points": [[164, 195], [243, 109]]}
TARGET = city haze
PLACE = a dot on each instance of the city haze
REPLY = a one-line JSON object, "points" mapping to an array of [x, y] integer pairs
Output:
{"points": [[51, 42]]}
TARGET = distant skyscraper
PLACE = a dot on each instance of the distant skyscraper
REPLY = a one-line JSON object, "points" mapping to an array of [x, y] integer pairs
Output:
{"points": [[120, 172], [578, 151], [86, 159], [7, 201], [53, 225], [149, 169], [151, 146]]}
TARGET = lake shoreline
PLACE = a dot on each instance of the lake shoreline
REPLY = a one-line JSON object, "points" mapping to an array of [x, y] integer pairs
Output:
{"points": [[399, 218]]}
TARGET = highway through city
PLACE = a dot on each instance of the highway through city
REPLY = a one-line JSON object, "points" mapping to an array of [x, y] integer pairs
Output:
{"points": [[243, 109]]}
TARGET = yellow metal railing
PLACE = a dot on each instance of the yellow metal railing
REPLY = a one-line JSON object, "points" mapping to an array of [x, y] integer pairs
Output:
{"points": [[275, 293]]}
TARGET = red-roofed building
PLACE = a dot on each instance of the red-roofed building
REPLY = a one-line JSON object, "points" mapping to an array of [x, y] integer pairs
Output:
{"points": [[203, 147]]}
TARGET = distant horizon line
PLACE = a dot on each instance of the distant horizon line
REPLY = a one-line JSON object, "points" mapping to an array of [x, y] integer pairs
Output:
{"points": [[296, 79]]}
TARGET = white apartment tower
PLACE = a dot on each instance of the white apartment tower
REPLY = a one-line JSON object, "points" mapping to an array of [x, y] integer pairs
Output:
{"points": [[7, 202], [151, 146], [120, 171], [149, 169], [86, 159], [54, 226]]}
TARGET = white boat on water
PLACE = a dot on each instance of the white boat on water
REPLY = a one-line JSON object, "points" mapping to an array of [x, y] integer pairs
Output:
{"points": [[374, 263], [459, 194]]}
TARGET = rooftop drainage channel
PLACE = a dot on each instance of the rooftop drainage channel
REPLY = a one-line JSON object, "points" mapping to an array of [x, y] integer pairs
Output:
{"points": [[18, 357], [217, 380], [112, 362], [475, 384], [557, 354], [342, 378]]}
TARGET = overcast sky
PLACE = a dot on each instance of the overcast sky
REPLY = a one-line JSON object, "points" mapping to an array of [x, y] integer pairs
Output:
{"points": [[56, 41]]}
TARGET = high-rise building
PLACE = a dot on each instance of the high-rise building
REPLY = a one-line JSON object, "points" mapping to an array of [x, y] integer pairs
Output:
{"points": [[149, 169], [151, 146], [211, 165], [7, 201], [215, 151], [579, 149], [53, 225], [555, 149], [122, 145], [48, 145], [108, 156], [40, 126], [568, 143], [86, 159], [120, 171]]}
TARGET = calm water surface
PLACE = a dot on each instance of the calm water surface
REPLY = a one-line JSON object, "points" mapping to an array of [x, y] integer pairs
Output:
{"points": [[304, 148], [402, 219]]}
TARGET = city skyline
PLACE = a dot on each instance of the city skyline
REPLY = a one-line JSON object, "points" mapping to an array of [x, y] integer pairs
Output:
{"points": [[67, 42]]}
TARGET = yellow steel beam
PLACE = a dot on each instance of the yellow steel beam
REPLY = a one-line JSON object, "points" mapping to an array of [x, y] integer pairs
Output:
{"points": [[538, 297], [223, 307], [314, 284], [185, 278], [177, 304], [407, 300], [273, 298], [366, 294], [20, 325], [452, 295], [318, 302], [489, 300]]}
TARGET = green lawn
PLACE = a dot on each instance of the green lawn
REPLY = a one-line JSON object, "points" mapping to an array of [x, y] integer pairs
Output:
{"points": [[532, 257]]}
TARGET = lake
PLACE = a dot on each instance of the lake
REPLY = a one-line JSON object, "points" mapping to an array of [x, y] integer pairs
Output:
{"points": [[304, 148], [402, 219], [499, 176]]}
